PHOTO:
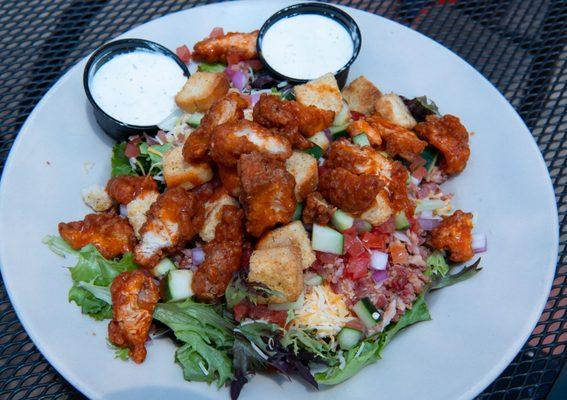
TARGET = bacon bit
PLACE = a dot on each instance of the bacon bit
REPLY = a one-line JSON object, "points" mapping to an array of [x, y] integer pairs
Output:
{"points": [[398, 253], [216, 32], [356, 115], [417, 163], [353, 246], [256, 65], [357, 267], [183, 53], [180, 138], [375, 240], [387, 227], [326, 258], [131, 150], [240, 310], [260, 311]]}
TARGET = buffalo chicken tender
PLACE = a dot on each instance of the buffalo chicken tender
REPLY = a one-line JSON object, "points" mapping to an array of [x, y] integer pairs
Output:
{"points": [[399, 140], [229, 179], [291, 234], [361, 95], [230, 140], [280, 269], [362, 126], [134, 298], [304, 169], [97, 198], [322, 93], [223, 255], [137, 209], [109, 233], [201, 90], [391, 107], [212, 215], [348, 191], [450, 137], [317, 210], [358, 160], [232, 45], [124, 189], [229, 108], [267, 196], [168, 227], [454, 234], [178, 172]]}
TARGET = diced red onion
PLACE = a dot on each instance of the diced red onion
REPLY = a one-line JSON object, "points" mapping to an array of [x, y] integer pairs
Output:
{"points": [[197, 255], [379, 276], [123, 210], [378, 260], [254, 97], [428, 224], [327, 133], [239, 80], [402, 237], [479, 243], [415, 180]]}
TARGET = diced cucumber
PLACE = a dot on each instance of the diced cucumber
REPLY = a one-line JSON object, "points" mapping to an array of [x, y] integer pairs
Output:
{"points": [[321, 140], [361, 140], [195, 119], [430, 156], [349, 337], [178, 285], [363, 226], [163, 268], [314, 280], [401, 221], [211, 67], [327, 240], [343, 116], [367, 313], [429, 205], [341, 220], [297, 212], [339, 131], [315, 151]]}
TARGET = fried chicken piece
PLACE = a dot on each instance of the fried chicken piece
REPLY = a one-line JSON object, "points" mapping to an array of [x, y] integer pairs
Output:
{"points": [[230, 45], [230, 180], [362, 126], [398, 190], [316, 210], [134, 298], [169, 226], [125, 188], [291, 119], [222, 256], [267, 194], [111, 234], [348, 191], [454, 234], [399, 140], [227, 109], [358, 160], [450, 137], [230, 140]]}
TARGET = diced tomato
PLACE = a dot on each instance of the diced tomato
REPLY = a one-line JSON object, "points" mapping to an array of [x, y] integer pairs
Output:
{"points": [[264, 313], [419, 173], [183, 53], [417, 163], [131, 150], [256, 65], [356, 248], [375, 240], [398, 253], [240, 310], [355, 324], [357, 267], [356, 115], [326, 258], [216, 32]]}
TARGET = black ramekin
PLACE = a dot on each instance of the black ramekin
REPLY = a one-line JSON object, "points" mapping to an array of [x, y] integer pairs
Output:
{"points": [[116, 129], [314, 8]]}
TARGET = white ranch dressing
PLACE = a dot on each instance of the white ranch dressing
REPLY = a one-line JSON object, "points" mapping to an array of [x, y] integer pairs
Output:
{"points": [[307, 46], [138, 88]]}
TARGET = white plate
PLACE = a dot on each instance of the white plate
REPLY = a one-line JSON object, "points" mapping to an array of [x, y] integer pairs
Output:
{"points": [[478, 326]]}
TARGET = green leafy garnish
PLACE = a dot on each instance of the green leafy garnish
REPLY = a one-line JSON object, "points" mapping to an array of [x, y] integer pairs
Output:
{"points": [[462, 275], [215, 67], [436, 265], [122, 353], [428, 104], [59, 246], [119, 162]]}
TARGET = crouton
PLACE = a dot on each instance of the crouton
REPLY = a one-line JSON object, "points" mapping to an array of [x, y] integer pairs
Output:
{"points": [[290, 234], [213, 215], [391, 107], [136, 209], [279, 269], [97, 198], [178, 172], [361, 95], [304, 169], [322, 93], [201, 90], [380, 211]]}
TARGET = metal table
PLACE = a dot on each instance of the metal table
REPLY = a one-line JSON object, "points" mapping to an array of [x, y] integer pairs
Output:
{"points": [[519, 45]]}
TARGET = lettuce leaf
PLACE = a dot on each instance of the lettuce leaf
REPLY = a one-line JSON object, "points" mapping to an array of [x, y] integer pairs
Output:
{"points": [[215, 67], [436, 265], [462, 275], [119, 162]]}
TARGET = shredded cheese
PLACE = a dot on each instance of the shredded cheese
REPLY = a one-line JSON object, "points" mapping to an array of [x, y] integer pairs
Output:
{"points": [[323, 311]]}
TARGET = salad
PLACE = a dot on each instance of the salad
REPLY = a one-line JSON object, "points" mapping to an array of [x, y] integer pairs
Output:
{"points": [[271, 227]]}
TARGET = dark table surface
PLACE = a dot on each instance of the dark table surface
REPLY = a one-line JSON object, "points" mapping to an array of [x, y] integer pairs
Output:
{"points": [[519, 45]]}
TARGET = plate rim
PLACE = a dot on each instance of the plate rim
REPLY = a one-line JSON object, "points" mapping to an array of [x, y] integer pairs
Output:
{"points": [[490, 375]]}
